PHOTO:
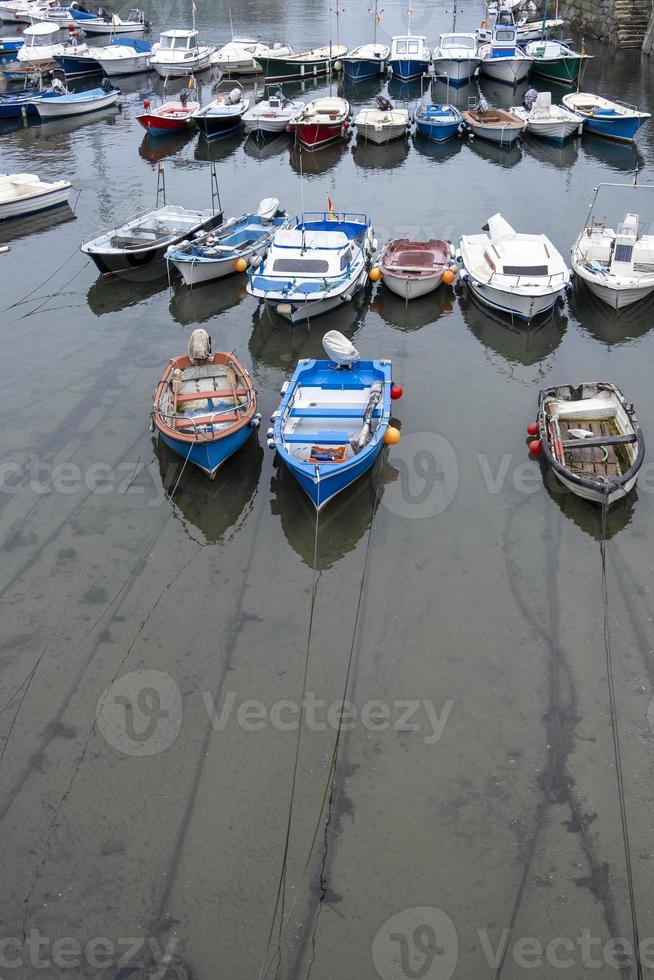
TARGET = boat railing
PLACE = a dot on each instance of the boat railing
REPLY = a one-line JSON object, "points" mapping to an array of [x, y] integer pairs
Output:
{"points": [[528, 279]]}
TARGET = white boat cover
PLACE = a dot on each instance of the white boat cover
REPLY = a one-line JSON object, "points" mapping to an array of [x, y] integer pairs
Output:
{"points": [[500, 229], [339, 349], [199, 346], [268, 208]]}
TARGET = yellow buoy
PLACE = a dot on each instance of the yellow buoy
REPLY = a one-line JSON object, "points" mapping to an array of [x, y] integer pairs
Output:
{"points": [[240, 265], [448, 277], [391, 436], [375, 274]]}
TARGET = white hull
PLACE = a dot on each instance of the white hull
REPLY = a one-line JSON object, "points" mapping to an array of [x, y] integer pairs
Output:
{"points": [[54, 109], [298, 312], [179, 69], [265, 125], [36, 202], [241, 66], [510, 71], [112, 29], [116, 67], [381, 134], [515, 304], [617, 299], [411, 288], [596, 496], [198, 272], [505, 136], [558, 131], [456, 69]]}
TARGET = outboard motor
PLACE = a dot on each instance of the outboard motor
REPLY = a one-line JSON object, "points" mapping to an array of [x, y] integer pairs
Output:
{"points": [[183, 96], [529, 100], [234, 97], [339, 349], [108, 86], [385, 105], [199, 346]]}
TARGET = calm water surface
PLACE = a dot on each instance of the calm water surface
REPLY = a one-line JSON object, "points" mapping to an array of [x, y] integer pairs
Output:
{"points": [[493, 807]]}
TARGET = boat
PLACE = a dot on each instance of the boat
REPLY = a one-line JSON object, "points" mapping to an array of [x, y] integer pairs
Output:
{"points": [[171, 116], [143, 241], [9, 49], [527, 30], [519, 274], [112, 24], [365, 61], [456, 57], [317, 265], [590, 436], [271, 116], [501, 58], [77, 103], [411, 269], [223, 114], [547, 121], [179, 53], [617, 264], [41, 45], [205, 406], [242, 55], [18, 11], [308, 64], [22, 194], [555, 61], [410, 57], [615, 120], [382, 123], [496, 125], [124, 56], [331, 423], [321, 122], [21, 104], [438, 122], [78, 60], [235, 245]]}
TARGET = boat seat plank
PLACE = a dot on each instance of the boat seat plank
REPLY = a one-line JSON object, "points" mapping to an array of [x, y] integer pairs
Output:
{"points": [[327, 412], [318, 438], [220, 418], [194, 396], [598, 441], [588, 455]]}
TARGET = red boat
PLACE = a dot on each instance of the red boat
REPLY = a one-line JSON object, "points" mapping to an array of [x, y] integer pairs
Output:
{"points": [[170, 117], [321, 121]]}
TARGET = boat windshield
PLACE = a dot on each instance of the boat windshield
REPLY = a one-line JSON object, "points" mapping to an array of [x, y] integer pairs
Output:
{"points": [[407, 47], [177, 43], [300, 265], [525, 270], [458, 42], [507, 36]]}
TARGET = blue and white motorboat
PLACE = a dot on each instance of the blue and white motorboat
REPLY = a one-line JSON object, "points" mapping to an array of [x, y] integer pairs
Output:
{"points": [[502, 59], [9, 49], [456, 58], [316, 265], [56, 106], [438, 122], [329, 428], [365, 61], [78, 61], [615, 120], [122, 56], [224, 113], [205, 406], [232, 247], [410, 58]]}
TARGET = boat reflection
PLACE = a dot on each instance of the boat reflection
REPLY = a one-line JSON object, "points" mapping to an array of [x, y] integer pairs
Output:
{"points": [[275, 343], [501, 156], [217, 150], [418, 313], [399, 91], [113, 294], [384, 156], [342, 523], [212, 507], [62, 127], [503, 96], [558, 155], [518, 342], [438, 152], [265, 149], [33, 224], [609, 326], [461, 97], [588, 516], [310, 163], [362, 92], [158, 148], [189, 306], [621, 157]]}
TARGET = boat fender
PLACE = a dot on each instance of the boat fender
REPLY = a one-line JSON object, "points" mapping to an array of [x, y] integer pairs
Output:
{"points": [[254, 259], [151, 425], [284, 388], [255, 423], [270, 433], [271, 444], [284, 309]]}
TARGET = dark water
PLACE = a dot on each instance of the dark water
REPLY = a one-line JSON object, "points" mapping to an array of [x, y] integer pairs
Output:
{"points": [[126, 813]]}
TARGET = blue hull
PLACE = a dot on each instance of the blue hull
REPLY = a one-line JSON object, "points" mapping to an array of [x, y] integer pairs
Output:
{"points": [[17, 109], [78, 66], [210, 456], [321, 492], [356, 70], [437, 132], [615, 129], [407, 70]]}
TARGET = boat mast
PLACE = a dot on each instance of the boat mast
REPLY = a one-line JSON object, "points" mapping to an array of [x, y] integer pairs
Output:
{"points": [[193, 9], [543, 29], [410, 14], [454, 19]]}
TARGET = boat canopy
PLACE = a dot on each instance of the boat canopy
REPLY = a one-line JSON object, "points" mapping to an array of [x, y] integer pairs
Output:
{"points": [[41, 30]]}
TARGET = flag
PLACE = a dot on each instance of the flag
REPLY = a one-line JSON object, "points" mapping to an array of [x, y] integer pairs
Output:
{"points": [[195, 9], [330, 205]]}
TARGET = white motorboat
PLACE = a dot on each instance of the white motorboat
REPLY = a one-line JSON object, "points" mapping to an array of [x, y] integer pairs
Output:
{"points": [[519, 274], [527, 30], [590, 436], [179, 53], [456, 57], [124, 56], [382, 123], [41, 45], [272, 115], [501, 58], [549, 122], [366, 61], [77, 103], [18, 11], [239, 56], [112, 24], [22, 194], [617, 264]]}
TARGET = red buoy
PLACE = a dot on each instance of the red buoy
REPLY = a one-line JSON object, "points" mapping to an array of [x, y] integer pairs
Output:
{"points": [[535, 446], [396, 391], [532, 428]]}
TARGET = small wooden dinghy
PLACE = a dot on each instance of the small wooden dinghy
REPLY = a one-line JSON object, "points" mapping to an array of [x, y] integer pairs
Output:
{"points": [[205, 405], [591, 438], [330, 426], [496, 125], [412, 269]]}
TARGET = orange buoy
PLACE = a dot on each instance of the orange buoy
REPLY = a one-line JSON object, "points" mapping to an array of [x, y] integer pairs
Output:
{"points": [[146, 103], [240, 265], [391, 436], [448, 277], [375, 274]]}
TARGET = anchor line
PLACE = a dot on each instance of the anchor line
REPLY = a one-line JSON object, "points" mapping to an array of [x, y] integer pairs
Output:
{"points": [[616, 746], [327, 797]]}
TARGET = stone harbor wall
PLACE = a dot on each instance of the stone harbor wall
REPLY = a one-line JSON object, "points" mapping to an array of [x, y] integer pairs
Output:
{"points": [[648, 43], [620, 22]]}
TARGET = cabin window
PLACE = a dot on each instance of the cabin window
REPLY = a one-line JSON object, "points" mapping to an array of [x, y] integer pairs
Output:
{"points": [[623, 253], [345, 259], [413, 47], [525, 270], [400, 47], [506, 36], [459, 42], [300, 265]]}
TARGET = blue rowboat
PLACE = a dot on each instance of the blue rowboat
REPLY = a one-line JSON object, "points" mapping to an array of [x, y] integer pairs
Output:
{"points": [[366, 61], [409, 57], [17, 105], [438, 122], [330, 426], [205, 406], [614, 120]]}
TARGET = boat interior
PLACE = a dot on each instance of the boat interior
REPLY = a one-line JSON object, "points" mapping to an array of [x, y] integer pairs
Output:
{"points": [[493, 118], [157, 226], [200, 396], [621, 251], [591, 436], [239, 239]]}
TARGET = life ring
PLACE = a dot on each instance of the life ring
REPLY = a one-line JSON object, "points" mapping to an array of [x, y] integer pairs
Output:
{"points": [[484, 25]]}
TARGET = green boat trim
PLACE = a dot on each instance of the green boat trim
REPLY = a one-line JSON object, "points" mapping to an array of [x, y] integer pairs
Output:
{"points": [[309, 64], [556, 61]]}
